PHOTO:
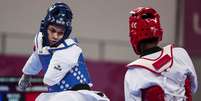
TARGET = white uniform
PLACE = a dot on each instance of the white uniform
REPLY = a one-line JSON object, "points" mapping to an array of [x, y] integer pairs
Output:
{"points": [[64, 68], [80, 95], [146, 72]]}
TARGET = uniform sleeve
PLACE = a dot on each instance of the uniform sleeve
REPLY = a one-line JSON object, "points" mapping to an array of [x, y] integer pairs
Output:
{"points": [[137, 79], [61, 62], [33, 65], [191, 70]]}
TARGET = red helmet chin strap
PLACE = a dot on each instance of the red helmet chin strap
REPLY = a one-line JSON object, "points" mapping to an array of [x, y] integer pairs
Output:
{"points": [[144, 24]]}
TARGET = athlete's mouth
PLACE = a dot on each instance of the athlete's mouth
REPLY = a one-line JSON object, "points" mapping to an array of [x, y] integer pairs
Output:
{"points": [[53, 41]]}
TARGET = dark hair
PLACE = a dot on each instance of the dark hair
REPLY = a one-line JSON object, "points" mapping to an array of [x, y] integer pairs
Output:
{"points": [[145, 42]]}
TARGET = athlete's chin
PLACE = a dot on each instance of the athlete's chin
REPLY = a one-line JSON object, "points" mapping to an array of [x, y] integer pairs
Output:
{"points": [[52, 43]]}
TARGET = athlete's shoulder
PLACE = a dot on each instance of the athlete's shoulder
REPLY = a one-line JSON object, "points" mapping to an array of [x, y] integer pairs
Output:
{"points": [[177, 50], [71, 52], [180, 51], [72, 42]]}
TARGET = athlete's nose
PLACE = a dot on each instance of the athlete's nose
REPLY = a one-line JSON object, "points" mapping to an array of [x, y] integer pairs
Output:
{"points": [[55, 35]]}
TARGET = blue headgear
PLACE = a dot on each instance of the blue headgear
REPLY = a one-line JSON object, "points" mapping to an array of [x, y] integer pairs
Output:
{"points": [[58, 13]]}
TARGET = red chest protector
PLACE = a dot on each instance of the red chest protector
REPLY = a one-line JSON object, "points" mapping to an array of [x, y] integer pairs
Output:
{"points": [[158, 65]]}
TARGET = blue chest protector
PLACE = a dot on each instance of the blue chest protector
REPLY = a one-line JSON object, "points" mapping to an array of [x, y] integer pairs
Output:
{"points": [[77, 75]]}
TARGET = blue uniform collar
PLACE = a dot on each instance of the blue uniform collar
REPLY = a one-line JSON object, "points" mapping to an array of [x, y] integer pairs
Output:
{"points": [[67, 43], [49, 50]]}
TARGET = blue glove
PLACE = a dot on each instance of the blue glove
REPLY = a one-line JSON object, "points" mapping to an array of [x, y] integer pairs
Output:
{"points": [[24, 82]]}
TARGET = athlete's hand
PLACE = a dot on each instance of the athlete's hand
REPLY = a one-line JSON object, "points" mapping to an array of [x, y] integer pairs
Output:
{"points": [[24, 82]]}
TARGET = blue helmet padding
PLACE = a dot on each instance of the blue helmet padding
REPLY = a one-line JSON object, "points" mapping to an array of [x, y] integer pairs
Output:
{"points": [[58, 13]]}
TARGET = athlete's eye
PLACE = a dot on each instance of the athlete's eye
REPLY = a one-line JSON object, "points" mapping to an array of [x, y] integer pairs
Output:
{"points": [[52, 30], [60, 33]]}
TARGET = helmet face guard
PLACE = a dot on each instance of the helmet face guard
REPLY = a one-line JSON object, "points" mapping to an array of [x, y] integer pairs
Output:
{"points": [[144, 24], [58, 14]]}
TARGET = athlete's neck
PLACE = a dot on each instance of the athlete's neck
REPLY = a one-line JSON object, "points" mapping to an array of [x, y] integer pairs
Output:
{"points": [[150, 50]]}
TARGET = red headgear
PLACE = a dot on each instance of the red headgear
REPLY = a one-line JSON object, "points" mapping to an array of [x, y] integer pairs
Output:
{"points": [[144, 24]]}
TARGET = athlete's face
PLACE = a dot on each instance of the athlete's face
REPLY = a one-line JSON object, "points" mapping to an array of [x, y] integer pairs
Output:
{"points": [[55, 33]]}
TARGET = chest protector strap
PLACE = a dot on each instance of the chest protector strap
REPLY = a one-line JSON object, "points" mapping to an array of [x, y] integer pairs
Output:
{"points": [[157, 65]]}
